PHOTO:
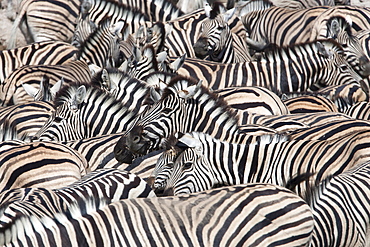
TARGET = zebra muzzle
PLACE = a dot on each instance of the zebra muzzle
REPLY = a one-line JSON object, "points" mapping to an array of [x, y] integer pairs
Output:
{"points": [[201, 48]]}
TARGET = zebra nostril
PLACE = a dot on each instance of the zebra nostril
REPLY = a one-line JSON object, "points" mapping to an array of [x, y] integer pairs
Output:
{"points": [[136, 139]]}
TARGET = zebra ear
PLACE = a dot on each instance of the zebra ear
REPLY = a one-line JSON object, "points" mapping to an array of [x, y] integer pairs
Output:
{"points": [[228, 14], [117, 28], [30, 90], [79, 96], [334, 27], [190, 91], [187, 141], [107, 82], [123, 67], [57, 86], [207, 9], [161, 57], [168, 29], [324, 51], [93, 69], [177, 64]]}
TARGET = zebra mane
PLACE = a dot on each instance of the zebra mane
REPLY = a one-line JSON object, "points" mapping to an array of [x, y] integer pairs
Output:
{"points": [[271, 50], [219, 101], [216, 9], [67, 93], [119, 5]]}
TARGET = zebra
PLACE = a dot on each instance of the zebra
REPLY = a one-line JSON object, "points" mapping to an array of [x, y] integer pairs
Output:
{"points": [[343, 96], [109, 184], [48, 52], [26, 119], [13, 88], [310, 103], [207, 162], [340, 207], [256, 100], [45, 21], [307, 25], [83, 111], [40, 164], [298, 68], [185, 105], [217, 43], [180, 221], [98, 10], [359, 110], [102, 48]]}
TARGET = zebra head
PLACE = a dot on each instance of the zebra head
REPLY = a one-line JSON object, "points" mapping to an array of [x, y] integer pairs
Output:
{"points": [[337, 70], [191, 172], [215, 36], [339, 29]]}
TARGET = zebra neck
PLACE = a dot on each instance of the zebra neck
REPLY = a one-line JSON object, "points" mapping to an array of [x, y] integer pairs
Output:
{"points": [[215, 119]]}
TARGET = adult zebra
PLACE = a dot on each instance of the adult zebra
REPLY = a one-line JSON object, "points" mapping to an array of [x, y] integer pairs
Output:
{"points": [[298, 68], [240, 216], [340, 207], [285, 27], [48, 52], [205, 162], [41, 20], [185, 106]]}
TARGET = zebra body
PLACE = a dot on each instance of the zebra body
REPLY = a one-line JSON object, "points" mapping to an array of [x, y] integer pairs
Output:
{"points": [[340, 203], [293, 69], [39, 164], [179, 221], [83, 111], [108, 184], [13, 92], [310, 103], [209, 162], [257, 100], [185, 106], [283, 27], [45, 20], [361, 110], [48, 52], [28, 118]]}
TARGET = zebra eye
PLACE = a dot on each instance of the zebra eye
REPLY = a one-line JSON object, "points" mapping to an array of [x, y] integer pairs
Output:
{"points": [[58, 119], [187, 165], [170, 165], [167, 110], [344, 45], [343, 68]]}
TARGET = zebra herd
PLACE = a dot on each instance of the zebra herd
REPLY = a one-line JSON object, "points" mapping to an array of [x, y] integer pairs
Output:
{"points": [[174, 123]]}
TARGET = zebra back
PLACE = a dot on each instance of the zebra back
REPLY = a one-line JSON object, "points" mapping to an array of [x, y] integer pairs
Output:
{"points": [[345, 197], [150, 219], [48, 52], [360, 110], [13, 91], [26, 119], [40, 164], [310, 103], [110, 185], [297, 68]]}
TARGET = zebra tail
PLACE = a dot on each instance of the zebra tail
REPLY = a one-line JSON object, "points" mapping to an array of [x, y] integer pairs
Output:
{"points": [[11, 43]]}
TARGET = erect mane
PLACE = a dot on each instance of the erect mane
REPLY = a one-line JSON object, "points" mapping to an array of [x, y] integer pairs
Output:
{"points": [[99, 31], [67, 92], [271, 50], [219, 102]]}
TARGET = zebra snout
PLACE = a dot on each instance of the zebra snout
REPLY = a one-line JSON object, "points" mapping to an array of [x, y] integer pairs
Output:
{"points": [[364, 66], [201, 48]]}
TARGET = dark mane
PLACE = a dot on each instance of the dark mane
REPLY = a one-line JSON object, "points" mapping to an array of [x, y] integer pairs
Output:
{"points": [[273, 49], [192, 81], [216, 9]]}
